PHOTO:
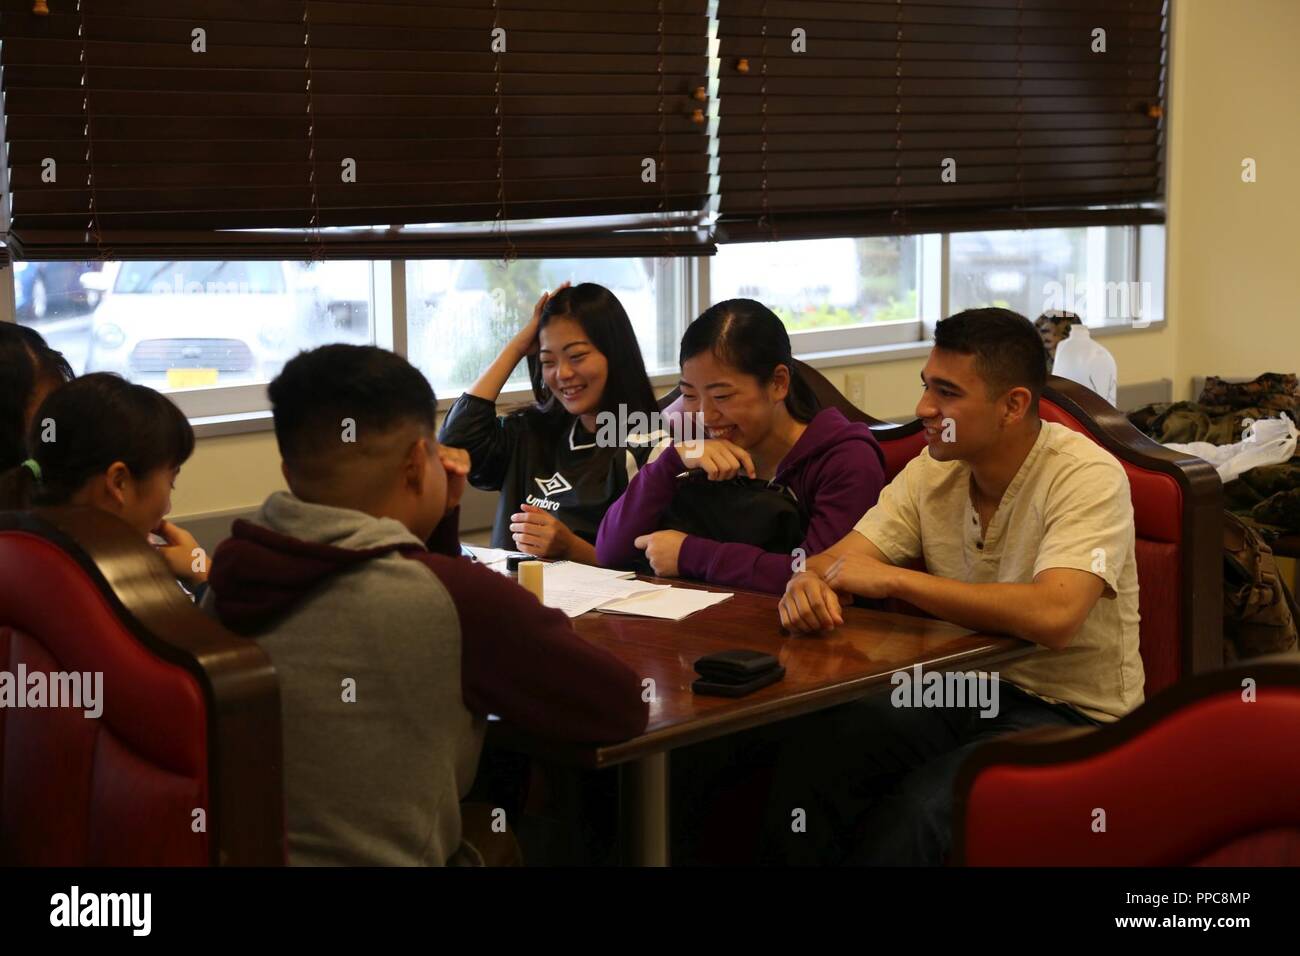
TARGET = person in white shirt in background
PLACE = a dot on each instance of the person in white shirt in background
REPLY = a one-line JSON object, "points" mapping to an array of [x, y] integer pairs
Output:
{"points": [[1081, 359]]}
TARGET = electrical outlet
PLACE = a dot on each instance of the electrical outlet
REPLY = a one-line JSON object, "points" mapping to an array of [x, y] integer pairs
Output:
{"points": [[855, 389]]}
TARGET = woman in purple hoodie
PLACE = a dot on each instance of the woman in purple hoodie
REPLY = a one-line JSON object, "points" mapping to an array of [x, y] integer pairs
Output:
{"points": [[763, 422]]}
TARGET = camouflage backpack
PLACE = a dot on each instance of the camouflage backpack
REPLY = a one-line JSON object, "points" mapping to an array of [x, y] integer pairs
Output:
{"points": [[1270, 393], [1259, 613]]}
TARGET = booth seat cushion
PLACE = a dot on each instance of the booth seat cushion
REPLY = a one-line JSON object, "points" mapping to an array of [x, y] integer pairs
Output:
{"points": [[1157, 498], [1276, 847], [1159, 640], [73, 788], [900, 451], [1163, 808]]}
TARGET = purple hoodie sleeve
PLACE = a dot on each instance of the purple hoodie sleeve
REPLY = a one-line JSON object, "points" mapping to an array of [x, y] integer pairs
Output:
{"points": [[639, 511], [846, 483]]}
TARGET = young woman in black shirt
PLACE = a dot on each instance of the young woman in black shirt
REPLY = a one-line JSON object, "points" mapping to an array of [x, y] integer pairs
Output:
{"points": [[560, 462]]}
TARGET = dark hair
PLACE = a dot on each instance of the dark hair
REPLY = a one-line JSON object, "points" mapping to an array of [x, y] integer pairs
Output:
{"points": [[377, 389], [605, 322], [98, 419], [25, 362], [1008, 349], [1056, 315], [749, 336]]}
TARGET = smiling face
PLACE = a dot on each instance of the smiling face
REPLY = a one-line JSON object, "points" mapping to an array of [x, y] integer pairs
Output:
{"points": [[955, 404], [733, 405], [572, 368]]}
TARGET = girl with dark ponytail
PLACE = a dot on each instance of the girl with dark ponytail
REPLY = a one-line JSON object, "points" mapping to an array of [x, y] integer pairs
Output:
{"points": [[762, 421], [110, 444]]}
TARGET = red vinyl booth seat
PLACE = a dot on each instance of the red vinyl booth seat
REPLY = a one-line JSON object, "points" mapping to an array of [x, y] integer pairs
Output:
{"points": [[121, 789], [899, 451], [1197, 776], [78, 790]]}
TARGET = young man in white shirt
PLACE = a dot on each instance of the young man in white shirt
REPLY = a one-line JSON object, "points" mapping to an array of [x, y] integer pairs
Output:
{"points": [[1025, 528]]}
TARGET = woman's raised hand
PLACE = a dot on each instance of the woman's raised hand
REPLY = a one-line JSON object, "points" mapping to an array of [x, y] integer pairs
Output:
{"points": [[525, 343]]}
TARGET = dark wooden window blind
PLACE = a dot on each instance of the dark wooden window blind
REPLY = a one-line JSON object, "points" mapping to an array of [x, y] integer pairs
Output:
{"points": [[849, 137], [160, 151]]}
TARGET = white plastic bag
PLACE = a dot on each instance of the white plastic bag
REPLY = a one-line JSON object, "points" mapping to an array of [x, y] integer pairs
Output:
{"points": [[1265, 441]]}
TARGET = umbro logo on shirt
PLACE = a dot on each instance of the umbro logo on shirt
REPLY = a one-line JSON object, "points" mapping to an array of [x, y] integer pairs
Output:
{"points": [[553, 485]]}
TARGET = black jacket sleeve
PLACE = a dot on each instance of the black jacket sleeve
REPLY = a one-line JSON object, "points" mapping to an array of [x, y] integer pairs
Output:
{"points": [[473, 424]]}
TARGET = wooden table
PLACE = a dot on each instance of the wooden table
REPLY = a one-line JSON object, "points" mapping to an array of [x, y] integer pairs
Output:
{"points": [[820, 671]]}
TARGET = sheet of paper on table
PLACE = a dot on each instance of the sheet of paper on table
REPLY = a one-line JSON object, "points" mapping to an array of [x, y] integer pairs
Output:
{"points": [[568, 586], [669, 604], [575, 598], [577, 588], [564, 574], [559, 573]]}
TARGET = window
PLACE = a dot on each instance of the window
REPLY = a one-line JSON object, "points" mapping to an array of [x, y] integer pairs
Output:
{"points": [[460, 314], [205, 330], [214, 333], [831, 293], [52, 290], [1091, 271], [854, 294], [1008, 269], [180, 278]]}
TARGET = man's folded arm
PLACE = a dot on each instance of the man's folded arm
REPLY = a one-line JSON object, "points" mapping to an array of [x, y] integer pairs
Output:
{"points": [[524, 662]]}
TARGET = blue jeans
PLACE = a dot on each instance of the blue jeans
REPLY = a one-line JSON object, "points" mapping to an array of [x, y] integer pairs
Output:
{"points": [[875, 781]]}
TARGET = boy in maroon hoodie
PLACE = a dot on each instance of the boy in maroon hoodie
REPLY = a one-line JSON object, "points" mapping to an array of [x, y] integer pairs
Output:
{"points": [[390, 648]]}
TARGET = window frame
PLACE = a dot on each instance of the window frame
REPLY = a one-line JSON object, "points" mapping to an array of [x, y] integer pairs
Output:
{"points": [[245, 408]]}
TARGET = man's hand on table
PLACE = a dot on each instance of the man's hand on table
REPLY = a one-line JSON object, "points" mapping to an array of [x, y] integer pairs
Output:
{"points": [[810, 604]]}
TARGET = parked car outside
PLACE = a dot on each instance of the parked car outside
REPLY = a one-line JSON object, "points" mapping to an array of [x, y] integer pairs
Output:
{"points": [[175, 325]]}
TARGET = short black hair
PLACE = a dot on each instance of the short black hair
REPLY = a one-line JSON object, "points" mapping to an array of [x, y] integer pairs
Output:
{"points": [[377, 389], [748, 336], [101, 418], [1008, 349]]}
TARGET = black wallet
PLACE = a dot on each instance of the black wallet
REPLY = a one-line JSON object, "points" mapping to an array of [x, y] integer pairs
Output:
{"points": [[736, 673]]}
